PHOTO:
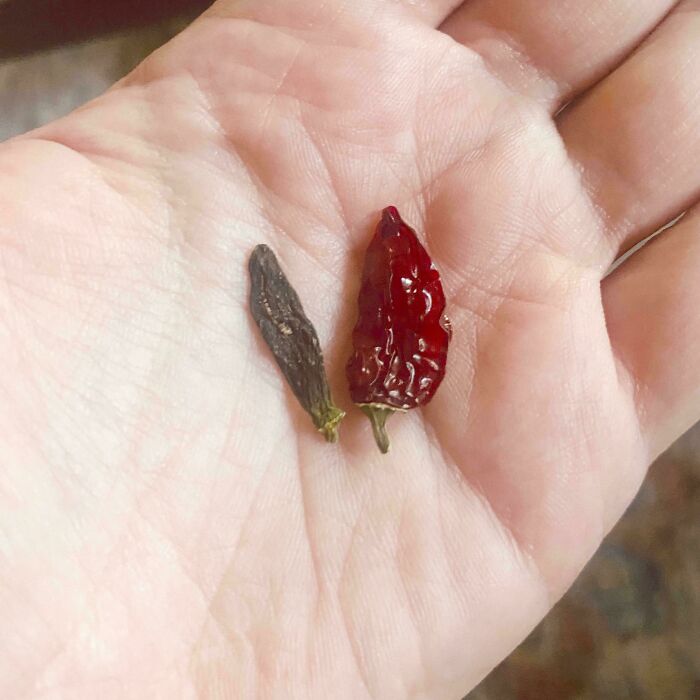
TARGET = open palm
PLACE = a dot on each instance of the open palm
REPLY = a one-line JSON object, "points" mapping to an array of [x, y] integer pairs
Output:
{"points": [[170, 523]]}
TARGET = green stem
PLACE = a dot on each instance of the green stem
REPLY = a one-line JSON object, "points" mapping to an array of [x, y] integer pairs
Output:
{"points": [[329, 422], [377, 414]]}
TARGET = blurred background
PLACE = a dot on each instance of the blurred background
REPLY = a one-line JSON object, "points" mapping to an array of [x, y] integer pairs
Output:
{"points": [[630, 627]]}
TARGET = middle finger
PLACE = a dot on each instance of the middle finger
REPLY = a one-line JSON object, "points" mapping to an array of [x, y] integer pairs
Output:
{"points": [[553, 49]]}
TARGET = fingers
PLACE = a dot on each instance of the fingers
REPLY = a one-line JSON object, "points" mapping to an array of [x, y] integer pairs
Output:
{"points": [[553, 49], [651, 306], [636, 134], [308, 15]]}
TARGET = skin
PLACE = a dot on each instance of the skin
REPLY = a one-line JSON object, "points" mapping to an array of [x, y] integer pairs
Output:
{"points": [[170, 524]]}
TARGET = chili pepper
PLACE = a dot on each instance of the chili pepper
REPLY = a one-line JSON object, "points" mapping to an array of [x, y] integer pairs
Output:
{"points": [[402, 334], [291, 337]]}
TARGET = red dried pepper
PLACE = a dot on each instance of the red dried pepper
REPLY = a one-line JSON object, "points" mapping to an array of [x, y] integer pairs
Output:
{"points": [[402, 335]]}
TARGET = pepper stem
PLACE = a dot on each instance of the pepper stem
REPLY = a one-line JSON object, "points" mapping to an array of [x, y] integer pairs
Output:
{"points": [[377, 414], [330, 421]]}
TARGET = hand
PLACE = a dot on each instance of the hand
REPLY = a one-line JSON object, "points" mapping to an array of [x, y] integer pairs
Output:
{"points": [[170, 524]]}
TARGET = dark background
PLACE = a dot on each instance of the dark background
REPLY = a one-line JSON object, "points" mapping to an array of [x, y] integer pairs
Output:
{"points": [[31, 25], [630, 627]]}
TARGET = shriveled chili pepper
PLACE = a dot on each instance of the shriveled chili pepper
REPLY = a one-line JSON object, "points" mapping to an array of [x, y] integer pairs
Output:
{"points": [[291, 337], [402, 335]]}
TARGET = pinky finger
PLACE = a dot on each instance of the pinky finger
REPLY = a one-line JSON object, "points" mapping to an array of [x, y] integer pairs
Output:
{"points": [[652, 306]]}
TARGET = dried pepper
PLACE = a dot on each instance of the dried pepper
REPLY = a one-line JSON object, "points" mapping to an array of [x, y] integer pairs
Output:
{"points": [[402, 334], [291, 337]]}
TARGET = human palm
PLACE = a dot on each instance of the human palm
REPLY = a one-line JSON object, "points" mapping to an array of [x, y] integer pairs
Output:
{"points": [[171, 523]]}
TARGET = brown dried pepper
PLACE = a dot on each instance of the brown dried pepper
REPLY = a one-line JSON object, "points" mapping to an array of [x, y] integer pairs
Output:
{"points": [[402, 335], [291, 337]]}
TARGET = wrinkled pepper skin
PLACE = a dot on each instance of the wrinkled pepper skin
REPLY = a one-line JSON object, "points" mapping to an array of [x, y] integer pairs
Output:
{"points": [[402, 335], [292, 339]]}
